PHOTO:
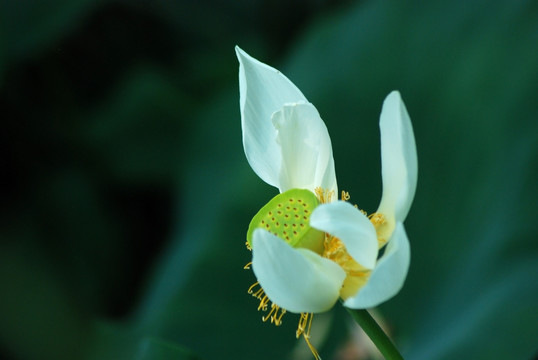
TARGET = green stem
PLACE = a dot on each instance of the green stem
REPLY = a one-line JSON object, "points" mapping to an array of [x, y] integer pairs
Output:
{"points": [[376, 334]]}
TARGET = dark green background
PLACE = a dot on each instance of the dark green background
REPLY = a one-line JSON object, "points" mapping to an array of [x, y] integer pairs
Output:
{"points": [[126, 194]]}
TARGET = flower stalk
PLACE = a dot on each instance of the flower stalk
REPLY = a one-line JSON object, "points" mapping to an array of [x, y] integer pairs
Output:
{"points": [[375, 333]]}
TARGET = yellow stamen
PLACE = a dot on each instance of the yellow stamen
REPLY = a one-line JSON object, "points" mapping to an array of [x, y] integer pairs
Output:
{"points": [[276, 313], [324, 195], [303, 328], [274, 316], [247, 266], [263, 303], [357, 275], [345, 197], [378, 220], [259, 294], [257, 291], [251, 288], [278, 320]]}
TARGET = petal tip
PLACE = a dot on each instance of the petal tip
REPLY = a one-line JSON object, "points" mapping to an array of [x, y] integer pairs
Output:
{"points": [[240, 53], [394, 98], [398, 157]]}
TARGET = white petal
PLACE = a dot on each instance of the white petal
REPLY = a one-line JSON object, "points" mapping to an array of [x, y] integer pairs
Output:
{"points": [[389, 274], [398, 158], [262, 91], [352, 227], [297, 280], [307, 160]]}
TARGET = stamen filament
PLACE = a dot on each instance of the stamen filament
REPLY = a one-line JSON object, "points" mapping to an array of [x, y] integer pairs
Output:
{"points": [[251, 288], [273, 314], [263, 303], [378, 220], [305, 324], [324, 195], [278, 320]]}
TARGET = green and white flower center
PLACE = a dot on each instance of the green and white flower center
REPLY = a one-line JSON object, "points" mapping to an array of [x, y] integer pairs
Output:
{"points": [[287, 216]]}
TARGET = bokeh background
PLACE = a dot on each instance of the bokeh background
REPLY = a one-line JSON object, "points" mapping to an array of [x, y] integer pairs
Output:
{"points": [[126, 195]]}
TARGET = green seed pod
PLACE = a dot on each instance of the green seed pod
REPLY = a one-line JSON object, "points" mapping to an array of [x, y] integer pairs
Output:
{"points": [[287, 216]]}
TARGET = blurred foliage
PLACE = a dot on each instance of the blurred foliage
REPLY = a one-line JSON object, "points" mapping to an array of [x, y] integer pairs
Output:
{"points": [[126, 195]]}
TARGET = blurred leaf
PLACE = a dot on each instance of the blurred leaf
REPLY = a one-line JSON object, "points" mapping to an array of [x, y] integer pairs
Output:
{"points": [[139, 130], [39, 319], [120, 342], [82, 226], [30, 26], [154, 349], [111, 341]]}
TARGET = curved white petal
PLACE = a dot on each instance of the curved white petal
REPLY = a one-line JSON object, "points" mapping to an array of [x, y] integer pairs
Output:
{"points": [[398, 158], [262, 91], [297, 280], [307, 160], [389, 274], [352, 227]]}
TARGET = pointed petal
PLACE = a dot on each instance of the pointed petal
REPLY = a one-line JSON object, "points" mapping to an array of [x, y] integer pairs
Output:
{"points": [[389, 274], [297, 280], [307, 160], [352, 227], [262, 91], [398, 158]]}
